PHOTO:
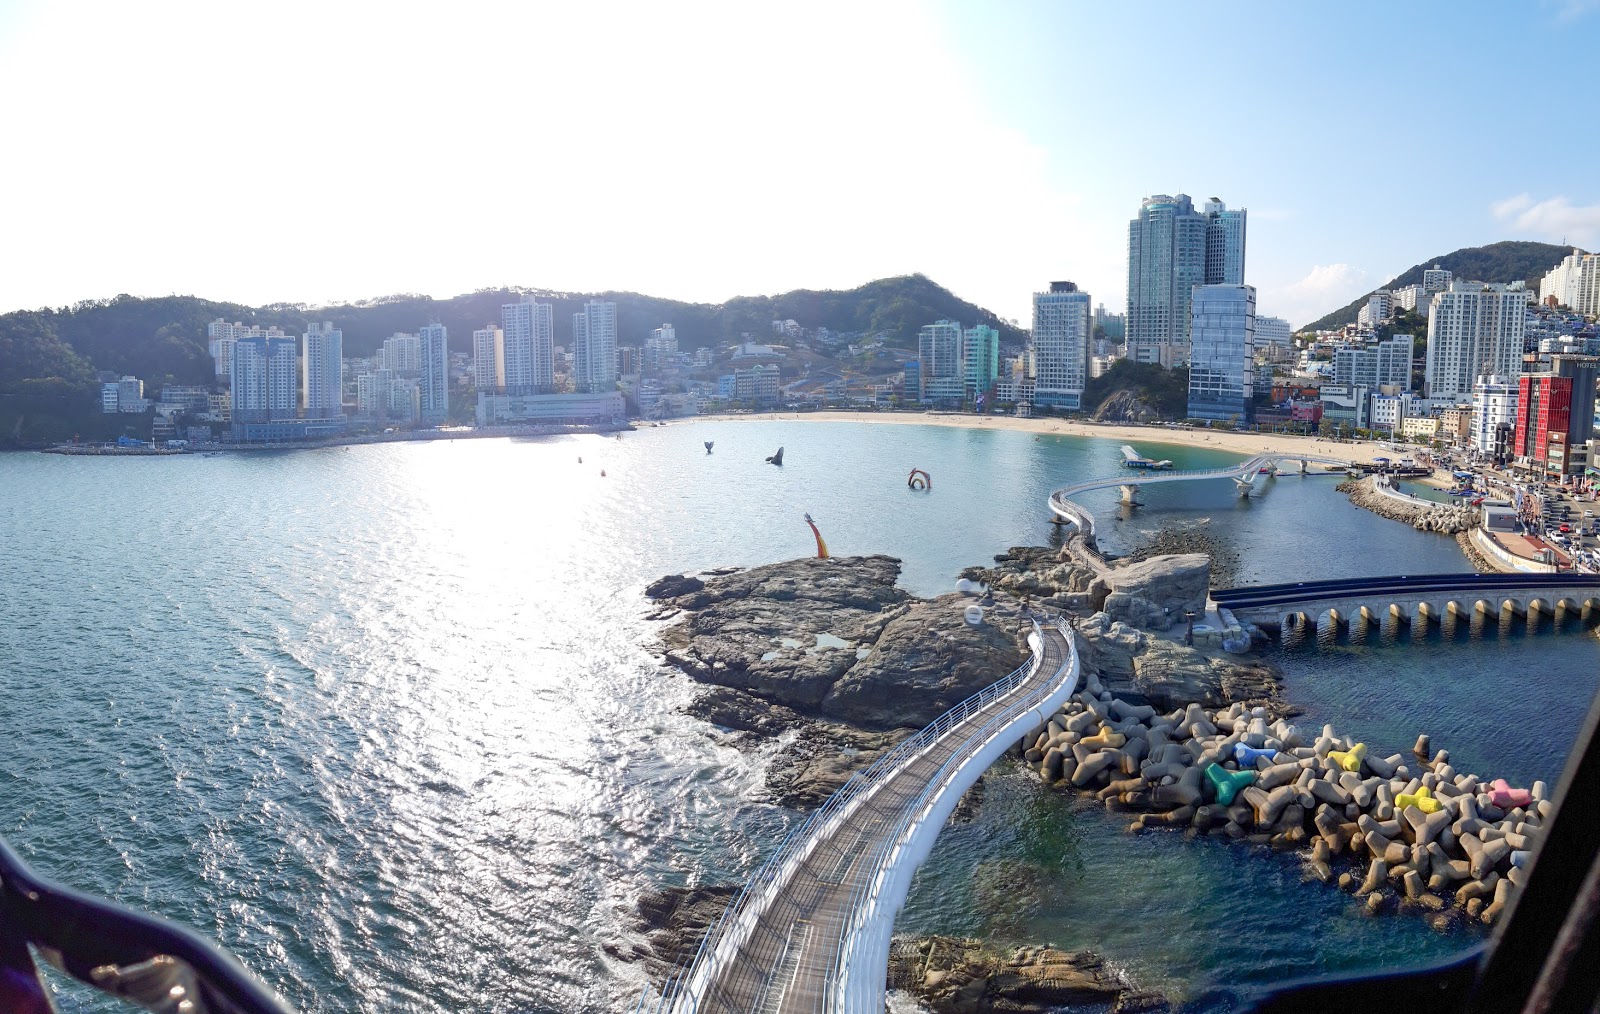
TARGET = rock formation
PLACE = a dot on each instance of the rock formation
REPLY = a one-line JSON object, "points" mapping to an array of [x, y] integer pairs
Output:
{"points": [[954, 976]]}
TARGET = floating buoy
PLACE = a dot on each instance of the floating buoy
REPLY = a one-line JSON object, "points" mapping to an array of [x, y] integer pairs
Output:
{"points": [[776, 459], [919, 479], [822, 547]]}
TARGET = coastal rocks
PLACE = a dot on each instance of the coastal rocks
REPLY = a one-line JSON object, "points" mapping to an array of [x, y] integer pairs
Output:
{"points": [[955, 976], [1446, 519], [1154, 593], [1047, 577], [835, 639], [926, 660], [673, 921], [1169, 675], [1409, 829], [1192, 539]]}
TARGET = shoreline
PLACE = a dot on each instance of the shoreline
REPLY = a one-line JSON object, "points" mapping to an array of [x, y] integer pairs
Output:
{"points": [[1234, 441]]}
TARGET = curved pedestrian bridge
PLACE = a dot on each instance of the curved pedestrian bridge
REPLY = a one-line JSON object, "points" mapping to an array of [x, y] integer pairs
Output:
{"points": [[1420, 599], [810, 931], [1243, 474]]}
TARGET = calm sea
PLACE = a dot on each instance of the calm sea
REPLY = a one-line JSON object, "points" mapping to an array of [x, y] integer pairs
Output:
{"points": [[383, 720]]}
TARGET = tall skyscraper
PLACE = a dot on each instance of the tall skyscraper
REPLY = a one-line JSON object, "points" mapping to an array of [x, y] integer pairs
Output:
{"points": [[982, 355], [594, 347], [1224, 243], [322, 379], [530, 362], [1063, 328], [1171, 249], [264, 373], [489, 360], [1222, 352], [434, 404], [942, 363], [1474, 329]]}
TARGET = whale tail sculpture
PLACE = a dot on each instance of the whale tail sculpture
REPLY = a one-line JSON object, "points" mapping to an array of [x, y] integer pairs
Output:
{"points": [[919, 479], [822, 547], [709, 444], [776, 459]]}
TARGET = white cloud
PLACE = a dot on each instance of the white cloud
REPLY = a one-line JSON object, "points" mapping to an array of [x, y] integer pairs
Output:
{"points": [[1325, 288], [1555, 219]]}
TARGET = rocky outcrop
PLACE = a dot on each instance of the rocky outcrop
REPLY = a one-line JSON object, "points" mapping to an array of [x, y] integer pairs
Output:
{"points": [[1169, 675], [1193, 538], [835, 640], [672, 922], [956, 976], [1154, 593], [1044, 577]]}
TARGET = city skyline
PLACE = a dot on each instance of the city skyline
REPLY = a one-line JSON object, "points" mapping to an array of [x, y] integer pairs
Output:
{"points": [[834, 198]]}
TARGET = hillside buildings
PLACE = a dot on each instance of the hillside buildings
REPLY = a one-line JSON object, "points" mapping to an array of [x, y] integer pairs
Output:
{"points": [[1376, 364], [1222, 352], [1574, 283], [1063, 326], [434, 394], [1272, 331], [1474, 329], [1171, 249]]}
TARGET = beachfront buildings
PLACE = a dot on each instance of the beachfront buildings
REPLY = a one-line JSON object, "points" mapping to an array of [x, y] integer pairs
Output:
{"points": [[1063, 326], [262, 375], [1376, 364], [434, 391], [489, 359], [594, 347], [1474, 329], [1272, 331], [1494, 415], [322, 378], [942, 365], [1555, 416], [222, 336], [528, 341], [981, 361], [1171, 249], [1222, 352]]}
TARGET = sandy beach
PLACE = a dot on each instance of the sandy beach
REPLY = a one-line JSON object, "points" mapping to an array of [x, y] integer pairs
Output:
{"points": [[1142, 437]]}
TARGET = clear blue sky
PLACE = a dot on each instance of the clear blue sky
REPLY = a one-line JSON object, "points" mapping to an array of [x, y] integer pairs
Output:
{"points": [[317, 151]]}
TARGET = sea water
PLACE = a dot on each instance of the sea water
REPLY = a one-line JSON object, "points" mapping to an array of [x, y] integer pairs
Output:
{"points": [[386, 723]]}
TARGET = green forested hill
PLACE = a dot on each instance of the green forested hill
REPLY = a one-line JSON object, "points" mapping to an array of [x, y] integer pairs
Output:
{"points": [[1509, 261], [163, 340]]}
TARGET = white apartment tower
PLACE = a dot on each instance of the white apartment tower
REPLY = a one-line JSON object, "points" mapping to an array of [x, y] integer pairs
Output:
{"points": [[1063, 326], [434, 406], [402, 354], [322, 382], [489, 360], [222, 336], [1575, 283], [594, 347], [1474, 329], [530, 347], [941, 362], [263, 374], [663, 341], [1436, 279]]}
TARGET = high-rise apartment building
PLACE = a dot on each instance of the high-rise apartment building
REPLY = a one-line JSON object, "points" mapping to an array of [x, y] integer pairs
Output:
{"points": [[981, 356], [1376, 364], [1436, 279], [663, 341], [1063, 329], [434, 393], [1272, 331], [322, 371], [401, 354], [222, 336], [1171, 249], [489, 360], [1494, 416], [1378, 308], [529, 340], [1574, 283], [1224, 243], [1222, 352], [594, 347], [264, 375], [1474, 329], [943, 364]]}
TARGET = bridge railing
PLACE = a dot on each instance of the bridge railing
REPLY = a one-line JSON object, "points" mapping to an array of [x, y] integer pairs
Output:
{"points": [[690, 987], [856, 972]]}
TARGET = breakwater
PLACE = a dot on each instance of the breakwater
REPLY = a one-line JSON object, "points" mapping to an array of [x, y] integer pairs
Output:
{"points": [[1401, 831], [1425, 516]]}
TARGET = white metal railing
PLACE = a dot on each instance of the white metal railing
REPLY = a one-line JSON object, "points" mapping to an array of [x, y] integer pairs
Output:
{"points": [[693, 987]]}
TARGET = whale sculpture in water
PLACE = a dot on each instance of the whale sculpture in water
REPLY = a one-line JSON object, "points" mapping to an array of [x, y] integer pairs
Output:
{"points": [[776, 459], [709, 444]]}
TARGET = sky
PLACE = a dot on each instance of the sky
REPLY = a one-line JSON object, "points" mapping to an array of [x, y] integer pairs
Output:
{"points": [[318, 152]]}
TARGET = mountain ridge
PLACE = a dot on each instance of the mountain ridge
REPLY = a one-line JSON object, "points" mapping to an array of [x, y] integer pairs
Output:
{"points": [[1505, 261]]}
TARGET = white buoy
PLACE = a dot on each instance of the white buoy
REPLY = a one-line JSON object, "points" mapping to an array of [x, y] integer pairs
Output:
{"points": [[974, 615]]}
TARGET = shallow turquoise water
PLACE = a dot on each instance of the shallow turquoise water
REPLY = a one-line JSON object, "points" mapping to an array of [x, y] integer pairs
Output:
{"points": [[383, 720]]}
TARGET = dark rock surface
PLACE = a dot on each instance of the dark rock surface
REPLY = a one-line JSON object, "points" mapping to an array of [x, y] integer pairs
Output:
{"points": [[671, 923], [955, 976]]}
